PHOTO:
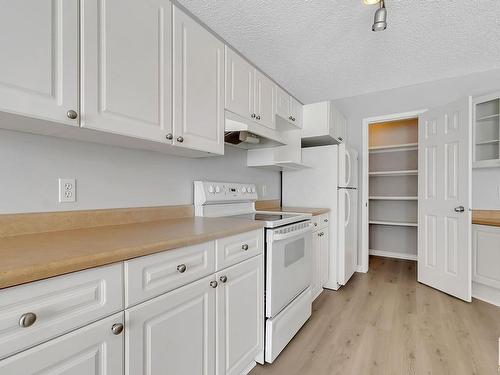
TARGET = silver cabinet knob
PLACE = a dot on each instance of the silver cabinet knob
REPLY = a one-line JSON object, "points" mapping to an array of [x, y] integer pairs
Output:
{"points": [[223, 279], [181, 268], [117, 328], [341, 139], [213, 284], [253, 115], [326, 220], [290, 118], [72, 114], [258, 117], [244, 247], [460, 209], [27, 320], [315, 224], [180, 139], [169, 136], [293, 118]]}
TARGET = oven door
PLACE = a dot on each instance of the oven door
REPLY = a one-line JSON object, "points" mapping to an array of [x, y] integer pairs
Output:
{"points": [[288, 267]]}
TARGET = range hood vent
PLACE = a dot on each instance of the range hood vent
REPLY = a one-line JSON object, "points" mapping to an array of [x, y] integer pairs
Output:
{"points": [[243, 133]]}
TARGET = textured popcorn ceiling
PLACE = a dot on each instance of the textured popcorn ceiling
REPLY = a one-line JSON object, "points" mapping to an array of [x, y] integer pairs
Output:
{"points": [[325, 49]]}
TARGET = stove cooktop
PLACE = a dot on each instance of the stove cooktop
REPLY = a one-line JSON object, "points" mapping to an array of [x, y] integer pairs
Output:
{"points": [[273, 219]]}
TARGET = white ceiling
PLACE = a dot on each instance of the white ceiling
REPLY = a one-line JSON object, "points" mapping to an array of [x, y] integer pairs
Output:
{"points": [[325, 49]]}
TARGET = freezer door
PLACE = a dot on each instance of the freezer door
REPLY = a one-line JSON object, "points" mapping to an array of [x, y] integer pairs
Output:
{"points": [[348, 166], [347, 234]]}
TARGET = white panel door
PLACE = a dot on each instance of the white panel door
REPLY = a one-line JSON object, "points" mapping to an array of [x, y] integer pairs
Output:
{"points": [[264, 101], [444, 198], [126, 67], [239, 84], [39, 63], [240, 316], [198, 105], [173, 333], [91, 350]]}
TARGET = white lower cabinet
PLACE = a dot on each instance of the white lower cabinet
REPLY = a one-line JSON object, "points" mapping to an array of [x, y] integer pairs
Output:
{"points": [[240, 316], [485, 263], [173, 333], [91, 350], [320, 260]]}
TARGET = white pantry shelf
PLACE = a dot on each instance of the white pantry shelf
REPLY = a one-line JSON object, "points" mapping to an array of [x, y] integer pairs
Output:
{"points": [[411, 172], [393, 198], [394, 148], [488, 142], [393, 223], [486, 118]]}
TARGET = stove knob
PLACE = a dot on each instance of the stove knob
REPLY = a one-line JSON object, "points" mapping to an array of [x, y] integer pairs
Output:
{"points": [[244, 190], [217, 189], [211, 189]]}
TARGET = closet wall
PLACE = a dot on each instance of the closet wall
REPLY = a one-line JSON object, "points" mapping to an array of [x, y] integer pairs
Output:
{"points": [[393, 166]]}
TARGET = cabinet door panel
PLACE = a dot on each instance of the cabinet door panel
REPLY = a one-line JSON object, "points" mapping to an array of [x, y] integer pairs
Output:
{"points": [[282, 103], [126, 70], [264, 106], [173, 333], [239, 84], [91, 350], [324, 248], [39, 64], [296, 112], [240, 316], [198, 86]]}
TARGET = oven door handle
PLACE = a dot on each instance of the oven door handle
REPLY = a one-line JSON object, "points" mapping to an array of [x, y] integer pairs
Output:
{"points": [[285, 236]]}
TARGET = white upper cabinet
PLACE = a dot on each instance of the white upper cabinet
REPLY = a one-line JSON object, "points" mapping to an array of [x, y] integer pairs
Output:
{"points": [[283, 102], [323, 124], [264, 106], [198, 70], [239, 84], [296, 112], [39, 63], [127, 67]]}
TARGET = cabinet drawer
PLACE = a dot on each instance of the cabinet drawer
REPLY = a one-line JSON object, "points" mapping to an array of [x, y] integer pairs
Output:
{"points": [[234, 249], [320, 221], [59, 304], [152, 275]]}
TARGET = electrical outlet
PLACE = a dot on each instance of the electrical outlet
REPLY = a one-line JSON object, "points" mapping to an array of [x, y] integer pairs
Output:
{"points": [[67, 190]]}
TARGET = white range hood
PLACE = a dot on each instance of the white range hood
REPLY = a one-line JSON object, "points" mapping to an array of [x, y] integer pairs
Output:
{"points": [[247, 134]]}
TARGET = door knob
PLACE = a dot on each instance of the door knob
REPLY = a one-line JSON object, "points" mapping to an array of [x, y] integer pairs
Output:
{"points": [[27, 320], [460, 209], [117, 328], [72, 114]]}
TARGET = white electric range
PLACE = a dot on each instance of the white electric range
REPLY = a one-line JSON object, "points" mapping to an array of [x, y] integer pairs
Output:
{"points": [[288, 240]]}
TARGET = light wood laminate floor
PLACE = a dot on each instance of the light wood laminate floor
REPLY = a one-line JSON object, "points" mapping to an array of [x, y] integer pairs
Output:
{"points": [[384, 322]]}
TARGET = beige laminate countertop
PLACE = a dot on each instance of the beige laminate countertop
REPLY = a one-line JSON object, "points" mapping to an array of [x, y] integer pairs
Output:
{"points": [[305, 210], [31, 257], [486, 217]]}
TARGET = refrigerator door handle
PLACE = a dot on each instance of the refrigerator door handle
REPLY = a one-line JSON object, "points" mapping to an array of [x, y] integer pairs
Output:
{"points": [[348, 208], [348, 174]]}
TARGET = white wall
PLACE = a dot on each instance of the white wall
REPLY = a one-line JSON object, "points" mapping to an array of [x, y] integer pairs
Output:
{"points": [[422, 96], [110, 177]]}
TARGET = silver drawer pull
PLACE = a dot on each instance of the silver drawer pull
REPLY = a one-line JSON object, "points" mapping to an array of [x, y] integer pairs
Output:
{"points": [[213, 284], [181, 268], [326, 220], [117, 328], [244, 247], [315, 224], [27, 320], [223, 279]]}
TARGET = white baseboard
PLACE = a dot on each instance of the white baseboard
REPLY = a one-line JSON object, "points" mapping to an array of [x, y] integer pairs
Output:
{"points": [[393, 254], [486, 293]]}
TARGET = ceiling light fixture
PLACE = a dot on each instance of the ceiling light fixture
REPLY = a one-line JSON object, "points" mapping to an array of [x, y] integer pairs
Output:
{"points": [[380, 21], [371, 2]]}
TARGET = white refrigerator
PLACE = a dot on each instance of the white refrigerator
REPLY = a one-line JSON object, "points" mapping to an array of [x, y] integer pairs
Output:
{"points": [[332, 182]]}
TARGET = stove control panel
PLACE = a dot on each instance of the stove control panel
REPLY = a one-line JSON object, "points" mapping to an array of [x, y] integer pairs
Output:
{"points": [[210, 192]]}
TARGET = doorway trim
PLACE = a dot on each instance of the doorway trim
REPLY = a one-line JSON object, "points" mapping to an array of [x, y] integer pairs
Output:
{"points": [[364, 265]]}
